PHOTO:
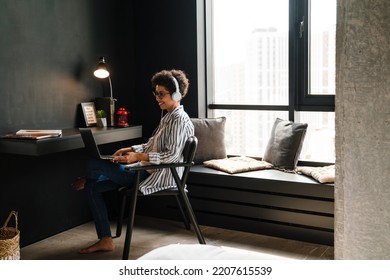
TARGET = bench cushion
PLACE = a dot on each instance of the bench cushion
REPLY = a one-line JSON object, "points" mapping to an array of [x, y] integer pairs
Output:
{"points": [[323, 174], [237, 164]]}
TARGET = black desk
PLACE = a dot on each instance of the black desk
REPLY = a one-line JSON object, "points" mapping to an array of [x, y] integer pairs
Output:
{"points": [[36, 178], [70, 140]]}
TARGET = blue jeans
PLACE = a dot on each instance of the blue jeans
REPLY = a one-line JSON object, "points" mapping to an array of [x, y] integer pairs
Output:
{"points": [[103, 176]]}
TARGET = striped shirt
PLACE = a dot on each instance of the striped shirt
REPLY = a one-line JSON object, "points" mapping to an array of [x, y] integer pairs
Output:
{"points": [[166, 146]]}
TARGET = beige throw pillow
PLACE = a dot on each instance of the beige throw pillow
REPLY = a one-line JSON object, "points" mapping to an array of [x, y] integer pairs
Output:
{"points": [[323, 174], [234, 165]]}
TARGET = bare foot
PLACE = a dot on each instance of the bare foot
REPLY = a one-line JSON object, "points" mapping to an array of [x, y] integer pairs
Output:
{"points": [[78, 184], [106, 244]]}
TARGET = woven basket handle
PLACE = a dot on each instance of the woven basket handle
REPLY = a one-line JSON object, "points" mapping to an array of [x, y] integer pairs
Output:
{"points": [[14, 214]]}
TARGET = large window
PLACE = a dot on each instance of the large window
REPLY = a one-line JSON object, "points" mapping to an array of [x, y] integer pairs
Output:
{"points": [[269, 59]]}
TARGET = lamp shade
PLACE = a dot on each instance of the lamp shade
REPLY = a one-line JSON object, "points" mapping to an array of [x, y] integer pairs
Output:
{"points": [[101, 69]]}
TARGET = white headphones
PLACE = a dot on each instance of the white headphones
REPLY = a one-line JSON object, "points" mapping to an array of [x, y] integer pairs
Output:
{"points": [[176, 95]]}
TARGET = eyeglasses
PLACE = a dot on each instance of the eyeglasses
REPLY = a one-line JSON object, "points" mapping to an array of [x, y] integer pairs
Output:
{"points": [[160, 95]]}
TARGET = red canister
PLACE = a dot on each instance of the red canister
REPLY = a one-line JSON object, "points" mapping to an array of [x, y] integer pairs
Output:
{"points": [[122, 115]]}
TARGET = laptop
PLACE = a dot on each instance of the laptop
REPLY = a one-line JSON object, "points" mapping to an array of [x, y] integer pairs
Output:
{"points": [[90, 144]]}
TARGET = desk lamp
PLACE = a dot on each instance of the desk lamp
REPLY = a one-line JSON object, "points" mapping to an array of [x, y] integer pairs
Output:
{"points": [[101, 72]]}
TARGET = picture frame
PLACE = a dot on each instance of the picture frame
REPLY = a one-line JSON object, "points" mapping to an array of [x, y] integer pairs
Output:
{"points": [[89, 112]]}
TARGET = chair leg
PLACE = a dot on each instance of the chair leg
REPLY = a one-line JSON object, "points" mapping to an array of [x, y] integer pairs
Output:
{"points": [[183, 214], [121, 215], [130, 222], [180, 185], [193, 219]]}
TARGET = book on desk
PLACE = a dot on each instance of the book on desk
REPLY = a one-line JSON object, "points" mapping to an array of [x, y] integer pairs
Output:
{"points": [[33, 134]]}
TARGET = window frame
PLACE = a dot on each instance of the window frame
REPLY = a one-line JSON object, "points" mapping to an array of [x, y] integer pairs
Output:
{"points": [[299, 56]]}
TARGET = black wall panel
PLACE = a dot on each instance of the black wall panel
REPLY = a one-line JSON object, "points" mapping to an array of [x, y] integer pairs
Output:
{"points": [[165, 38]]}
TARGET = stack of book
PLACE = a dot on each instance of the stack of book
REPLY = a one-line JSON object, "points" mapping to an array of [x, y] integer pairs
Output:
{"points": [[34, 134]]}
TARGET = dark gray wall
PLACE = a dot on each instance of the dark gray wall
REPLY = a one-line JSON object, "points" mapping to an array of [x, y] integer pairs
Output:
{"points": [[48, 50]]}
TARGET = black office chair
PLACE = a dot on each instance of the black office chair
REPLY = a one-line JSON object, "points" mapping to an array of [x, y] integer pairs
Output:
{"points": [[180, 194]]}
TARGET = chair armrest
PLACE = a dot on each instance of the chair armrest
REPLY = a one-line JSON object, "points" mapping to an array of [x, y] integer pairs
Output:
{"points": [[159, 166]]}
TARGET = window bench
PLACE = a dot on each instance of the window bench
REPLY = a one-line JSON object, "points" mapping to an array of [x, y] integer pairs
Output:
{"points": [[268, 202]]}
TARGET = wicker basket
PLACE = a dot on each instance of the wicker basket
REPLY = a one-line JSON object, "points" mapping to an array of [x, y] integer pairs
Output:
{"points": [[10, 240]]}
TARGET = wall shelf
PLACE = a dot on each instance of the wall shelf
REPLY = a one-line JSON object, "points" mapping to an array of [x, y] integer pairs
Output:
{"points": [[70, 140]]}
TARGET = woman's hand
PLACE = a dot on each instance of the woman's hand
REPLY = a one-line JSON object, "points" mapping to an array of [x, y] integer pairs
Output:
{"points": [[129, 157], [123, 151]]}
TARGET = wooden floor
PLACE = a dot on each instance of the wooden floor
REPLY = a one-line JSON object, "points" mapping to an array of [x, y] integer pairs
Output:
{"points": [[151, 233]]}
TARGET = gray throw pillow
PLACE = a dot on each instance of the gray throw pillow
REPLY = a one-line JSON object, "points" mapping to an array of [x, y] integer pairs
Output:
{"points": [[211, 138], [285, 144]]}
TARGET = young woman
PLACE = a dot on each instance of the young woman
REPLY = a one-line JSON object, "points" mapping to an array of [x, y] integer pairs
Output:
{"points": [[165, 146]]}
